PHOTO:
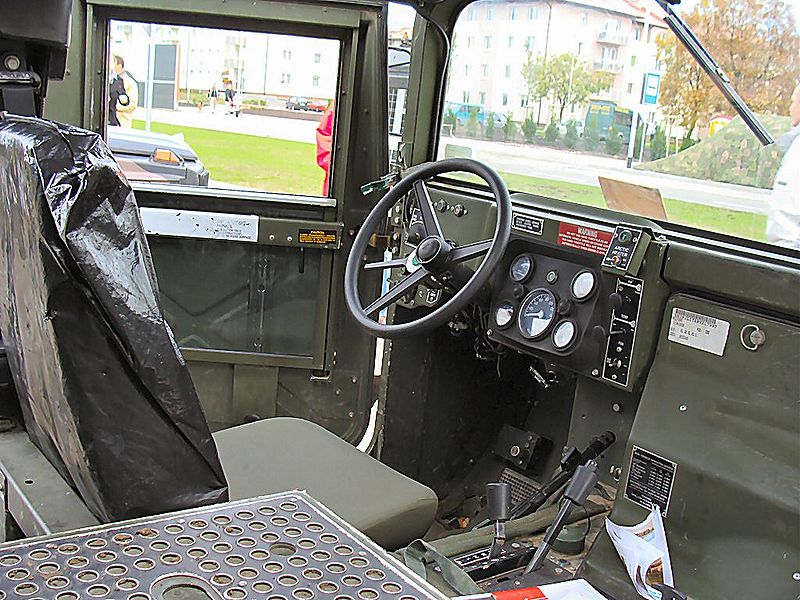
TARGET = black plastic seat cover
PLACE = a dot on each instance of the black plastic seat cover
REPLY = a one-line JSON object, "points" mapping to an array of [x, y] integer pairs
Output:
{"points": [[104, 390]]}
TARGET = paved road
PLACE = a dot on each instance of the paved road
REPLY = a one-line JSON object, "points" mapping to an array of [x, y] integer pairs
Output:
{"points": [[574, 167], [536, 161]]}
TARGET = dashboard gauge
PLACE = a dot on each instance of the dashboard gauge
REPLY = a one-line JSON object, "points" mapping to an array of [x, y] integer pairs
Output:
{"points": [[521, 268], [537, 313], [583, 285], [564, 335], [504, 314]]}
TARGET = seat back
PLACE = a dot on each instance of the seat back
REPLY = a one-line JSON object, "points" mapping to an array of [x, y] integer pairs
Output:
{"points": [[104, 391]]}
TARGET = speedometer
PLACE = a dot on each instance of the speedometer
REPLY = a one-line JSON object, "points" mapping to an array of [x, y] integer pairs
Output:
{"points": [[521, 268], [537, 313]]}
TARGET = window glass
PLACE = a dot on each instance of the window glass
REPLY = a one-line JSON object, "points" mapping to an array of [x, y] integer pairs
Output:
{"points": [[400, 28], [627, 102], [222, 108]]}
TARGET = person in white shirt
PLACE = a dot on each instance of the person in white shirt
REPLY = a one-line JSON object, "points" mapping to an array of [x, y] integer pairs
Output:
{"points": [[783, 218]]}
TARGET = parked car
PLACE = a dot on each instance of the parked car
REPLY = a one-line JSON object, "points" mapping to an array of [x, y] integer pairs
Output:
{"points": [[463, 112], [318, 105], [297, 103], [156, 157], [579, 126]]}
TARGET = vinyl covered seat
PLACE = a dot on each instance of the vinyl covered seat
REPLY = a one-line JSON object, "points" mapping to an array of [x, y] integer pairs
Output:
{"points": [[279, 454]]}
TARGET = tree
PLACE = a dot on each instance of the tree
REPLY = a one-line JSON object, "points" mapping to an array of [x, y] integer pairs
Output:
{"points": [[529, 128], [571, 135], [551, 133], [591, 135], [658, 144], [755, 42], [613, 141], [490, 125], [563, 79]]}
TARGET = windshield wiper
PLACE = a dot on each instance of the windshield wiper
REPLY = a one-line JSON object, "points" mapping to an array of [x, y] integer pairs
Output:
{"points": [[710, 66]]}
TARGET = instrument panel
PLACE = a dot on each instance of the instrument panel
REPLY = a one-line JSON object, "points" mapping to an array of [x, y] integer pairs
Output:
{"points": [[557, 301]]}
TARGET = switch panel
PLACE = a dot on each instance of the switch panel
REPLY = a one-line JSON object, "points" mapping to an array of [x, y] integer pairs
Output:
{"points": [[622, 331]]}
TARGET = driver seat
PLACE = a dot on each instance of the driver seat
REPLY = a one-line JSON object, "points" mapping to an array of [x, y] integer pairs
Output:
{"points": [[105, 393]]}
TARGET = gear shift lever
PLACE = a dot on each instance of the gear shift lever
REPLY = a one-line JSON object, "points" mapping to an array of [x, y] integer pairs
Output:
{"points": [[498, 500]]}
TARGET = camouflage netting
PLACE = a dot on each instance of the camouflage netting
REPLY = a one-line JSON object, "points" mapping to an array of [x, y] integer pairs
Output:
{"points": [[732, 155]]}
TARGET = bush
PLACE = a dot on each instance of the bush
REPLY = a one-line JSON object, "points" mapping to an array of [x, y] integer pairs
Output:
{"points": [[509, 128], [613, 141], [591, 135], [658, 144], [551, 133], [529, 129], [490, 126], [473, 127], [450, 119], [686, 143], [571, 135]]}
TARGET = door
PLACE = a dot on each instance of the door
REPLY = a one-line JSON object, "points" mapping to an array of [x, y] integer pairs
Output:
{"points": [[250, 205]]}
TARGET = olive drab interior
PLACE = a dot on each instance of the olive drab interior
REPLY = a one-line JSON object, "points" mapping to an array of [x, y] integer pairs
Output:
{"points": [[679, 344]]}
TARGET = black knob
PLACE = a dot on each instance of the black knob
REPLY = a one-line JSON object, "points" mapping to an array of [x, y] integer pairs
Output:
{"points": [[564, 306], [413, 237], [518, 291], [599, 333], [498, 501], [615, 301]]}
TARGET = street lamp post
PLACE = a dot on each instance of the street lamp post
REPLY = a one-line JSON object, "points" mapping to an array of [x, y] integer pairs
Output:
{"points": [[546, 43]]}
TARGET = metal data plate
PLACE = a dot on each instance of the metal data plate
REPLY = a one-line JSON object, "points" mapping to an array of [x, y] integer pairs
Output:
{"points": [[286, 546]]}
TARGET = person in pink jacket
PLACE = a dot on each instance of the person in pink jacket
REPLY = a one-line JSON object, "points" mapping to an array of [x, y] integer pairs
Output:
{"points": [[325, 144]]}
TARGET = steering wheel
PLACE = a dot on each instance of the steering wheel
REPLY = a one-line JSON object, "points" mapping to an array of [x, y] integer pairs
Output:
{"points": [[435, 259]]}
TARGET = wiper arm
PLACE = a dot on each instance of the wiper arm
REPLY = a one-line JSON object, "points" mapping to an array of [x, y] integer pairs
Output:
{"points": [[710, 66]]}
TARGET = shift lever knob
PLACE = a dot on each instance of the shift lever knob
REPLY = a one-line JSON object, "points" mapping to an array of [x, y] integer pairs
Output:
{"points": [[498, 501]]}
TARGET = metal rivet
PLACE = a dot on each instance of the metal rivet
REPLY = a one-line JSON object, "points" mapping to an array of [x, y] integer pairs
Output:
{"points": [[595, 372], [682, 408], [288, 238], [271, 237], [796, 576]]}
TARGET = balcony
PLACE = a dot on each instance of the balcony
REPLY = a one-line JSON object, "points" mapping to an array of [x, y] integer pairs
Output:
{"points": [[608, 66], [612, 38]]}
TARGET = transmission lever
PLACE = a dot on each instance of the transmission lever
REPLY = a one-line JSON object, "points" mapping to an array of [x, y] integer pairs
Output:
{"points": [[575, 494], [498, 509]]}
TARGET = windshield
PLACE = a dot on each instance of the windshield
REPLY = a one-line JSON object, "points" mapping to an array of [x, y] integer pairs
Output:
{"points": [[598, 102]]}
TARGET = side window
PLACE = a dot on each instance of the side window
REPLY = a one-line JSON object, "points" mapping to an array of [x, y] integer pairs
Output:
{"points": [[222, 108], [400, 26]]}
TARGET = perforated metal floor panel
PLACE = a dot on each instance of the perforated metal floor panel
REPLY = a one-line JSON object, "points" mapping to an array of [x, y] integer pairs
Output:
{"points": [[282, 547]]}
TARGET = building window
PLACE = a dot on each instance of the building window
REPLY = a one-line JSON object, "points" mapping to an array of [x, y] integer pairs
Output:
{"points": [[484, 70], [513, 13], [286, 78], [633, 61], [465, 97], [482, 98], [317, 57], [287, 54], [511, 41], [487, 42], [473, 14], [533, 12], [523, 101], [584, 19], [530, 43], [630, 88], [637, 33], [504, 101], [466, 70], [470, 41], [580, 48], [508, 70], [490, 13], [315, 81]]}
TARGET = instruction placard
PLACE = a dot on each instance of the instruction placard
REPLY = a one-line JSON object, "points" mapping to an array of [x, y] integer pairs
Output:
{"points": [[318, 237], [650, 479]]}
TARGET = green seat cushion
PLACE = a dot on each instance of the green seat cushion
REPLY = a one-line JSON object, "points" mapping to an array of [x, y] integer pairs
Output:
{"points": [[280, 454]]}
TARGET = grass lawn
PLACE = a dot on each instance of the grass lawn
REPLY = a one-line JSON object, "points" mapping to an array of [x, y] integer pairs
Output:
{"points": [[290, 167], [252, 161]]}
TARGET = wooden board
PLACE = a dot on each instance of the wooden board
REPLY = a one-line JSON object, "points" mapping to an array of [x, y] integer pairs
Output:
{"points": [[633, 199]]}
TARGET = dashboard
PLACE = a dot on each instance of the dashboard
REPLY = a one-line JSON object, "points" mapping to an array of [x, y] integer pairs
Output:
{"points": [[574, 293]]}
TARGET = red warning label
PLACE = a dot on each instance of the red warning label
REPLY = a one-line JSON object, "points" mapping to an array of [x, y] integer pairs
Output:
{"points": [[584, 238]]}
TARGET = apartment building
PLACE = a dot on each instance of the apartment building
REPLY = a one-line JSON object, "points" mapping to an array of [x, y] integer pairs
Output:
{"points": [[617, 37]]}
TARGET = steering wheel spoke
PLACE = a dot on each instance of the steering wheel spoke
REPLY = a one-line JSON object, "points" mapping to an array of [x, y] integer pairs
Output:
{"points": [[429, 219], [400, 289], [386, 264], [470, 251]]}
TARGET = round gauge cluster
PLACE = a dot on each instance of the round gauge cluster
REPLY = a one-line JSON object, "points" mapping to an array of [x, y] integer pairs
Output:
{"points": [[540, 314]]}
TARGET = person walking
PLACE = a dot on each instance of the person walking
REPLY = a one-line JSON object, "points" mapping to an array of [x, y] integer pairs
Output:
{"points": [[213, 95], [124, 94], [783, 217]]}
